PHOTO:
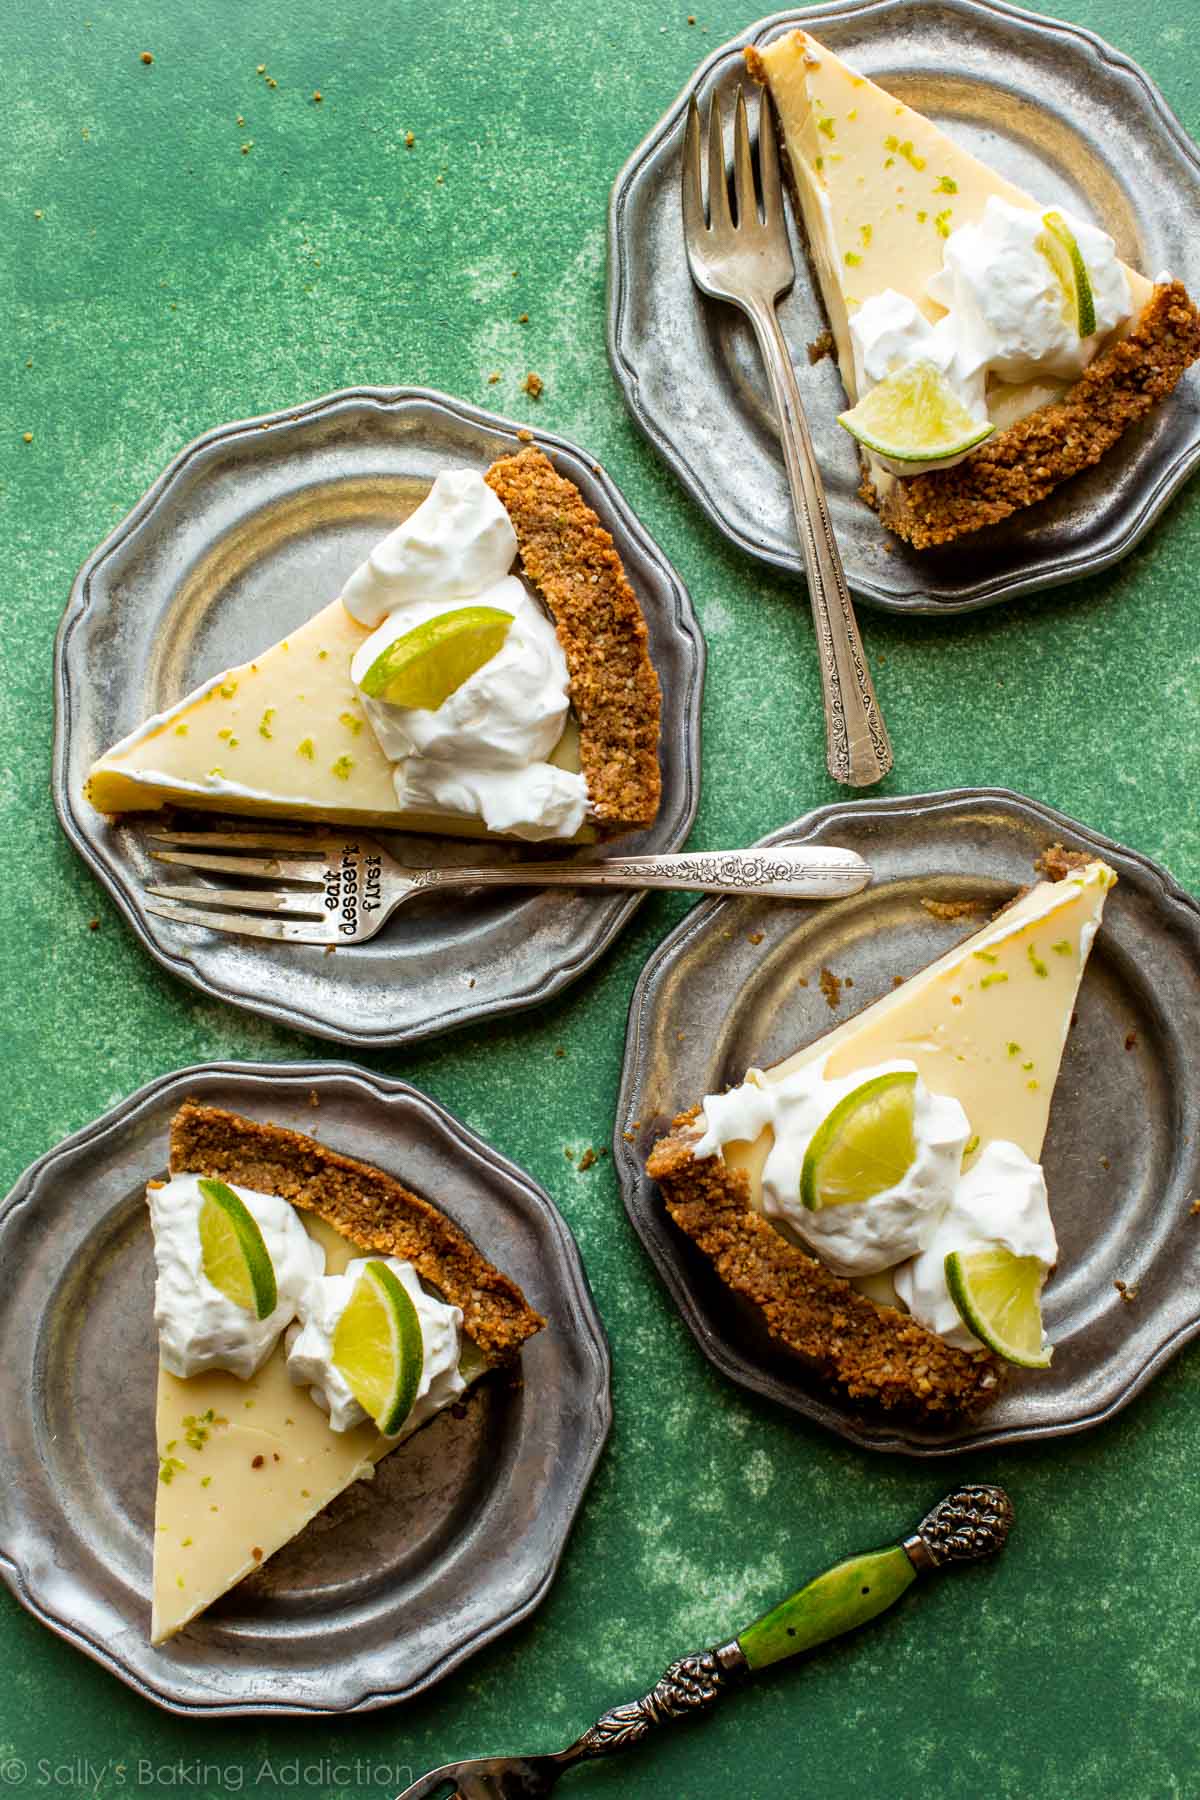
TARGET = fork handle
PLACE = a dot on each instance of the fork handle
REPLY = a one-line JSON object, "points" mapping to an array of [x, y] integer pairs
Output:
{"points": [[971, 1523], [857, 749], [782, 872]]}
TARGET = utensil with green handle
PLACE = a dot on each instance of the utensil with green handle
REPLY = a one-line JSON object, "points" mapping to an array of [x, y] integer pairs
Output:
{"points": [[969, 1524]]}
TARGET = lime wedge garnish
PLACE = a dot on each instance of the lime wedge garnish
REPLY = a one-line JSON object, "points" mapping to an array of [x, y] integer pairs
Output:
{"points": [[998, 1296], [914, 415], [232, 1252], [425, 666], [1057, 244], [377, 1346], [864, 1146]]}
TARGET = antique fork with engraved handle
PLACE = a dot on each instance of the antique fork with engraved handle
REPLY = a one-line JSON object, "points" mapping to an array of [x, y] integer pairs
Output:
{"points": [[748, 262], [343, 890], [970, 1523]]}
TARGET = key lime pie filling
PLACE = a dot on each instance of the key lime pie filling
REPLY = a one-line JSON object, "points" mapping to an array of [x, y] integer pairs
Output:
{"points": [[312, 1313], [485, 671], [991, 344], [877, 1198]]}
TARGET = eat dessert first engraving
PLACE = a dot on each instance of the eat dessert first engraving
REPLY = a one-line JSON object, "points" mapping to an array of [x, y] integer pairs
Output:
{"points": [[351, 889]]}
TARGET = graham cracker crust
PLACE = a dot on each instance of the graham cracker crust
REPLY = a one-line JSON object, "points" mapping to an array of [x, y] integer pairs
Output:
{"points": [[372, 1209], [1021, 465], [874, 1353], [570, 559]]}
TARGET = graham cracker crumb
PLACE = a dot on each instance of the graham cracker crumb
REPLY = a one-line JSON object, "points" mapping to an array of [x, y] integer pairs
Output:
{"points": [[1022, 464], [533, 385], [821, 347], [147, 58], [587, 1159], [950, 910], [1055, 863], [875, 1353], [754, 937], [572, 562], [371, 1208], [831, 987], [1131, 1039]]}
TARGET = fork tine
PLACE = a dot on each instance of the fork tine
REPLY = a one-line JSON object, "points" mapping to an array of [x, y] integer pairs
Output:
{"points": [[307, 905], [426, 1786], [718, 187], [237, 840], [283, 930], [743, 165], [694, 222], [272, 867], [768, 158]]}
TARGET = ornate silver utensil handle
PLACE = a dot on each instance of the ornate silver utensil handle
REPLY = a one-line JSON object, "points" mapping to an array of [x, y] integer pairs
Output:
{"points": [[783, 872], [971, 1523]]}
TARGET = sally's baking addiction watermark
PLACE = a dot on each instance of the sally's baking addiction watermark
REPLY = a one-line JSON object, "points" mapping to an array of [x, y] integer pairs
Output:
{"points": [[144, 1774]]}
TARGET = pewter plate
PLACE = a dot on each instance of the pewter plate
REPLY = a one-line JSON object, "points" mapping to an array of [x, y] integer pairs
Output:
{"points": [[460, 1532], [1050, 106], [250, 529], [1122, 1156]]}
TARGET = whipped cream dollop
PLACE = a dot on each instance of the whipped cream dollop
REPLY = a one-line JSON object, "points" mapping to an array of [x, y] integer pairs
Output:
{"points": [[1007, 302], [858, 1238], [310, 1346], [889, 331], [458, 542], [908, 1229], [483, 752], [1000, 1202], [199, 1327], [1004, 314]]}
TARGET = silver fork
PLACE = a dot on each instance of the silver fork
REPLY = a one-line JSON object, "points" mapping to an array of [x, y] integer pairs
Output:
{"points": [[342, 890], [748, 262], [969, 1524]]}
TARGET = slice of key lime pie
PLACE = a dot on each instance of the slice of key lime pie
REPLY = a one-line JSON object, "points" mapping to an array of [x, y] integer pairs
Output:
{"points": [[312, 1313], [484, 672], [877, 1197], [991, 344]]}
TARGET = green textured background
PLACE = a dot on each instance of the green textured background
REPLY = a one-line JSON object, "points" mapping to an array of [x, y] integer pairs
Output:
{"points": [[157, 282]]}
